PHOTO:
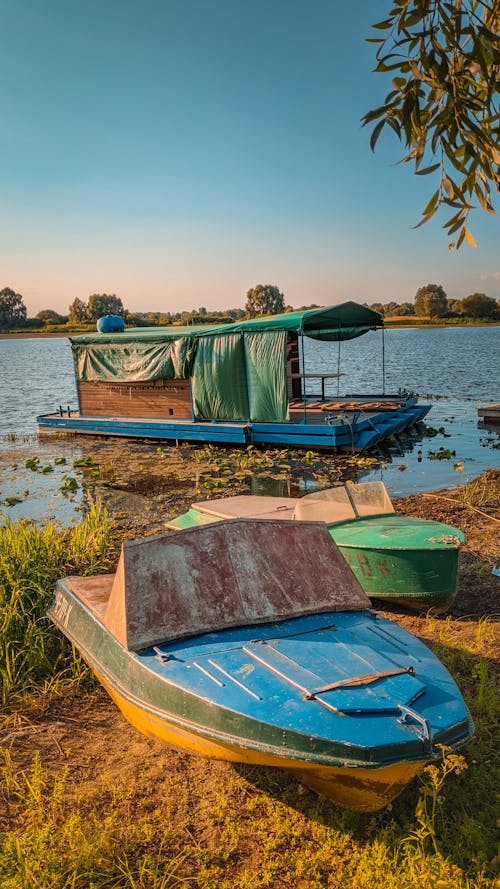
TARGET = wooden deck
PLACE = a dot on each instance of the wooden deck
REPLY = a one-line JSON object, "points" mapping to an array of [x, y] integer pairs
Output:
{"points": [[490, 413]]}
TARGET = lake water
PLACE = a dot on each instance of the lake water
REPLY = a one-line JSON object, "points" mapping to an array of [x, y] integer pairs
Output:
{"points": [[456, 368]]}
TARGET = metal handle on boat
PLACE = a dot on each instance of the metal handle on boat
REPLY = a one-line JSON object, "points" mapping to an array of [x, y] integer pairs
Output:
{"points": [[426, 733], [161, 655], [365, 679]]}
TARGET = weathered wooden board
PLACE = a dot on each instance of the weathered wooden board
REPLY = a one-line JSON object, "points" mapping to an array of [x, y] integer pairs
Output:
{"points": [[249, 506], [94, 591], [158, 398], [223, 575], [490, 412]]}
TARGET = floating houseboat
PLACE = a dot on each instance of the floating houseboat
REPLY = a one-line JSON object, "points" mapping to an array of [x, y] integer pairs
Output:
{"points": [[252, 641], [242, 383]]}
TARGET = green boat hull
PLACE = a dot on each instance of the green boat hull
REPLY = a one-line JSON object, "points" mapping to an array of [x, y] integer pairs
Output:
{"points": [[409, 561]]}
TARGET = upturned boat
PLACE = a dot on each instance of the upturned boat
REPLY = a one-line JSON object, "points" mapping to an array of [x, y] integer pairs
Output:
{"points": [[251, 641], [407, 561]]}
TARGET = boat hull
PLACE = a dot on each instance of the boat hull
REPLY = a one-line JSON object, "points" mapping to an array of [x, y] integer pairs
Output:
{"points": [[363, 790], [361, 433], [420, 574], [238, 695]]}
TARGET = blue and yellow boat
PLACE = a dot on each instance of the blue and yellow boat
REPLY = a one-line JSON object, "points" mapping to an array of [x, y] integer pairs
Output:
{"points": [[403, 560], [251, 641]]}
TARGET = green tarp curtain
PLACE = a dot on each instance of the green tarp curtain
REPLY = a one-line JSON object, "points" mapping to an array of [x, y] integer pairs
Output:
{"points": [[265, 362], [241, 378], [218, 382], [134, 361]]}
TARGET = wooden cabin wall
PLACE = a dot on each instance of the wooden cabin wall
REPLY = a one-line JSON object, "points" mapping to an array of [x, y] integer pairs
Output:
{"points": [[293, 365], [160, 399]]}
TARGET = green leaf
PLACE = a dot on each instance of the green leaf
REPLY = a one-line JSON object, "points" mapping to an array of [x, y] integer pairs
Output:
{"points": [[373, 115], [432, 205], [428, 170], [382, 26], [376, 133], [447, 103]]}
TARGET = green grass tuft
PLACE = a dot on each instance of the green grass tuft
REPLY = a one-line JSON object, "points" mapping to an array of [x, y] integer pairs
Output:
{"points": [[33, 655]]}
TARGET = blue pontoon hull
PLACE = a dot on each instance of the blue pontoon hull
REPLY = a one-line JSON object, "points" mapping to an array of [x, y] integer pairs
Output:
{"points": [[359, 434]]}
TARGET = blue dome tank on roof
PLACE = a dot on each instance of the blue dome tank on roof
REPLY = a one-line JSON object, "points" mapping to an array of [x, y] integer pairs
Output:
{"points": [[111, 324]]}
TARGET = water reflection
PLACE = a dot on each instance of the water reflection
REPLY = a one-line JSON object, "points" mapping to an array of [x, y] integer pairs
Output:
{"points": [[38, 480]]}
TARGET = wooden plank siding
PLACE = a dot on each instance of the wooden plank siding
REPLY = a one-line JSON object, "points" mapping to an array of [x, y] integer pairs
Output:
{"points": [[294, 383], [156, 398]]}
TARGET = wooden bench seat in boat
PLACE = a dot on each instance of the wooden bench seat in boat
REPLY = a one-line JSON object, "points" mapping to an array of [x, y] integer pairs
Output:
{"points": [[333, 505]]}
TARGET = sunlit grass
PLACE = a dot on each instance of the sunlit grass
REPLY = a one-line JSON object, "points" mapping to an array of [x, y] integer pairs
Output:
{"points": [[33, 655], [242, 836], [483, 492]]}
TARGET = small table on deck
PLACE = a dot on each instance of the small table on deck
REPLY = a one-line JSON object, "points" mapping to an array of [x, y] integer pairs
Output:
{"points": [[321, 377]]}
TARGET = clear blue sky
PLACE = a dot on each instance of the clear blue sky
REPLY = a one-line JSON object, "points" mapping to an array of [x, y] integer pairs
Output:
{"points": [[177, 152]]}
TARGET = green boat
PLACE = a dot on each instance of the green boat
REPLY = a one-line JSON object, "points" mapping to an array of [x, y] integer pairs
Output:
{"points": [[403, 560]]}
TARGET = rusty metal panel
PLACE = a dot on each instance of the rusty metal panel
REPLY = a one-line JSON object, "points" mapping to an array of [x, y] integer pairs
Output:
{"points": [[224, 575]]}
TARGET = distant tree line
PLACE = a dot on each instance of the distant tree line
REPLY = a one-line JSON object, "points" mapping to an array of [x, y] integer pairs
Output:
{"points": [[186, 318], [98, 304], [430, 301]]}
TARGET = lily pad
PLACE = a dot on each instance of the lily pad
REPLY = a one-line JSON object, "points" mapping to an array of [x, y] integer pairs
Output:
{"points": [[12, 501]]}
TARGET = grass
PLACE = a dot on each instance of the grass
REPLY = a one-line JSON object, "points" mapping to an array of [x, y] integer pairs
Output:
{"points": [[482, 492], [189, 828], [33, 655], [248, 837]]}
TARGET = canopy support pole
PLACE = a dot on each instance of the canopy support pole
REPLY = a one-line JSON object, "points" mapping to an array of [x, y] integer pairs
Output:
{"points": [[338, 370], [383, 361], [303, 376]]}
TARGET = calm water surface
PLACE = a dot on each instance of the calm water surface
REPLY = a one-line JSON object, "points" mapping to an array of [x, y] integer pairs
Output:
{"points": [[456, 368]]}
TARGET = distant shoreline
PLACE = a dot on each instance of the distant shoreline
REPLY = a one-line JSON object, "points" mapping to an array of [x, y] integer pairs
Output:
{"points": [[32, 334], [389, 325]]}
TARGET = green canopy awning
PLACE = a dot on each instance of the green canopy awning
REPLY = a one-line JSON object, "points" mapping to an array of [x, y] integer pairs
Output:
{"points": [[342, 322]]}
